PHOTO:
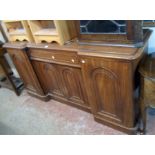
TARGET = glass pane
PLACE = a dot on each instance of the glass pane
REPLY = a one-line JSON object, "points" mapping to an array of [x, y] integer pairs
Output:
{"points": [[102, 26]]}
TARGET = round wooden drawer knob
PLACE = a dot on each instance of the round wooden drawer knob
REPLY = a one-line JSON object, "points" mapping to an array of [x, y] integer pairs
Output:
{"points": [[46, 46], [83, 61], [53, 57], [73, 60]]}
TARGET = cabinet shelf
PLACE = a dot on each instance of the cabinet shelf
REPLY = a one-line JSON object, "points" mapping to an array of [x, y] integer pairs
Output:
{"points": [[18, 32], [46, 32]]}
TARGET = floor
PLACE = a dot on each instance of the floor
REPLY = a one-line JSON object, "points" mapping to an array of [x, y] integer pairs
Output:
{"points": [[26, 115]]}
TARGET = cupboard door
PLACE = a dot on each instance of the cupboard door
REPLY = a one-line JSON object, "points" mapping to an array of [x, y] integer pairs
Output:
{"points": [[49, 77], [25, 70], [73, 82], [103, 87], [106, 89]]}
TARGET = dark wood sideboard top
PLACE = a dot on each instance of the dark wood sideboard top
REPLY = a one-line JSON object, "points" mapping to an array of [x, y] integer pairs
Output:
{"points": [[108, 51]]}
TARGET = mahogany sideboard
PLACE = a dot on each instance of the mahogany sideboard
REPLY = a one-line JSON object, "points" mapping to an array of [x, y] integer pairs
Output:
{"points": [[97, 79]]}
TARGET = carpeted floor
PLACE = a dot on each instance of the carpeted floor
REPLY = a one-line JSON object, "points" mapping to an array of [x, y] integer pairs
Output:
{"points": [[27, 115]]}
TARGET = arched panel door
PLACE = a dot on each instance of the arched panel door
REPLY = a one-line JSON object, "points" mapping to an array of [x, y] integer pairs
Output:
{"points": [[54, 80], [73, 82], [107, 93], [49, 77]]}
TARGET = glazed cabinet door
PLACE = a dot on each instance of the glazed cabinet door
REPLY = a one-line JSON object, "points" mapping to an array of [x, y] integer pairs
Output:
{"points": [[25, 70], [107, 86], [74, 85]]}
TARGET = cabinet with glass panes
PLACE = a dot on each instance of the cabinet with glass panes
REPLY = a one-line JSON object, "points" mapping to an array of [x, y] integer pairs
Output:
{"points": [[128, 32]]}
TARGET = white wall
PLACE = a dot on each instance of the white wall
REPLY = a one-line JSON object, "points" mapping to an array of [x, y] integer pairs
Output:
{"points": [[152, 41]]}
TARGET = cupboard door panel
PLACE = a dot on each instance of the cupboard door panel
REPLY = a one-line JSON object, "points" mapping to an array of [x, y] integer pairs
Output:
{"points": [[106, 89], [102, 81], [49, 77], [55, 83], [62, 81], [73, 82]]}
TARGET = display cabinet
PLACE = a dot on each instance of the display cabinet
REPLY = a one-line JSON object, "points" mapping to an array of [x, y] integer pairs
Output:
{"points": [[17, 30], [59, 31], [110, 31]]}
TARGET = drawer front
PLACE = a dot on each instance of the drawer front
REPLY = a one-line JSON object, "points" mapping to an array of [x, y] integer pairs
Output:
{"points": [[149, 91], [55, 56]]}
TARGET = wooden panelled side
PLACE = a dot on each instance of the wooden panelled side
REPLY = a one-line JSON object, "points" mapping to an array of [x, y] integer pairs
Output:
{"points": [[25, 70], [19, 63]]}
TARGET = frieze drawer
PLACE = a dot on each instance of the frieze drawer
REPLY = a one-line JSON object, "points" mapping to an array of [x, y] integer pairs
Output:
{"points": [[55, 56]]}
